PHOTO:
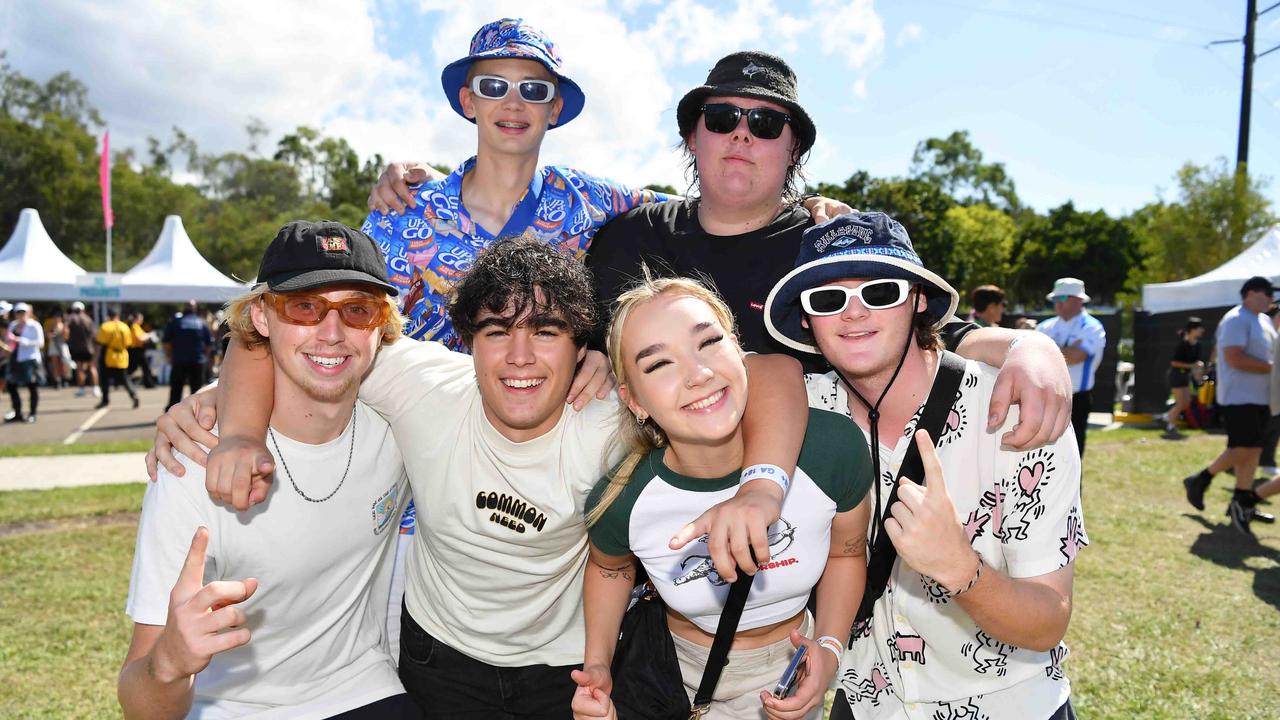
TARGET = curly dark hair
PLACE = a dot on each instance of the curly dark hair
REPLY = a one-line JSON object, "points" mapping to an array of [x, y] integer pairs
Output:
{"points": [[539, 284]]}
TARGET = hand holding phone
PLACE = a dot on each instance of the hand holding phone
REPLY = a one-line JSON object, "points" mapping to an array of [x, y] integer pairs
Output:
{"points": [[787, 682]]}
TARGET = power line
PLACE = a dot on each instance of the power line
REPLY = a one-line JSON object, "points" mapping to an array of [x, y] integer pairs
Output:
{"points": [[1039, 20]]}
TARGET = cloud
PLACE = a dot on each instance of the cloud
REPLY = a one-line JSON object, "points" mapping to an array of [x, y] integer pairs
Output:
{"points": [[368, 70], [856, 31], [910, 33], [207, 69]]}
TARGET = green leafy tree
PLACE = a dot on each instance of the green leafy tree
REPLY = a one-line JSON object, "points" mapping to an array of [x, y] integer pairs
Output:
{"points": [[982, 241], [920, 206], [1066, 242], [955, 165], [1217, 213]]}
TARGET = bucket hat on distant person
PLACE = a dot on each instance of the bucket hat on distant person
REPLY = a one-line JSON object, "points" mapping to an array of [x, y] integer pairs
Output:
{"points": [[1068, 286], [513, 38], [857, 245]]}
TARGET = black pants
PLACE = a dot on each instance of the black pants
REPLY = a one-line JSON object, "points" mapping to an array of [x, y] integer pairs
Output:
{"points": [[396, 707], [120, 376], [448, 684], [19, 374], [33, 392], [1081, 406], [138, 359], [1269, 442], [189, 374]]}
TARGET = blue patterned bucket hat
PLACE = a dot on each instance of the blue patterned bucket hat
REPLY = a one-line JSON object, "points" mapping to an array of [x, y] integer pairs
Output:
{"points": [[858, 245], [513, 38]]}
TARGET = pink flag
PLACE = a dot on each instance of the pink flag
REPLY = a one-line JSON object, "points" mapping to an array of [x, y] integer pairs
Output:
{"points": [[104, 180]]}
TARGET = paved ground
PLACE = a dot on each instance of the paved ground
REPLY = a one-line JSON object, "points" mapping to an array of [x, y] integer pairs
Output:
{"points": [[40, 473], [65, 418]]}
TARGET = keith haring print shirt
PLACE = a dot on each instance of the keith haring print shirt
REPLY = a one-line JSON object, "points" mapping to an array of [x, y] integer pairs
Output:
{"points": [[922, 656], [428, 248]]}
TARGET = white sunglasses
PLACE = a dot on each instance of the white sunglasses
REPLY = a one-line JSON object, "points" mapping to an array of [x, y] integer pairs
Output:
{"points": [[494, 87], [874, 295]]}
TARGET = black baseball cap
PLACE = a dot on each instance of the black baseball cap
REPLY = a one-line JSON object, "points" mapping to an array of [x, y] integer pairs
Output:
{"points": [[306, 255], [1259, 283]]}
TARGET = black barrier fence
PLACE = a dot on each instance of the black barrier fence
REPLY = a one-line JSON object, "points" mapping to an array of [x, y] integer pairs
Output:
{"points": [[1154, 338], [1104, 386]]}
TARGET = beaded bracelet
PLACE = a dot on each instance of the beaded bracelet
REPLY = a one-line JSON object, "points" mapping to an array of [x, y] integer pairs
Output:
{"points": [[974, 581]]}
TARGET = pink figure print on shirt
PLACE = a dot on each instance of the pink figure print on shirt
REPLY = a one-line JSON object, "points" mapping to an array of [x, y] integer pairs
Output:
{"points": [[1072, 543], [906, 647], [955, 425], [868, 688], [1034, 472]]}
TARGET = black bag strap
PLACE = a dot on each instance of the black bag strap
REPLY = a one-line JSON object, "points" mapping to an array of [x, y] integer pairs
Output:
{"points": [[941, 397], [725, 630]]}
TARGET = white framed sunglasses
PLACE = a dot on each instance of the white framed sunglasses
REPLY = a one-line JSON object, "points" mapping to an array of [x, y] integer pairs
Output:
{"points": [[874, 295], [495, 87]]}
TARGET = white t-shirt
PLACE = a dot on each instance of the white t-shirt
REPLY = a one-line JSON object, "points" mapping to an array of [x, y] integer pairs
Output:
{"points": [[500, 545], [925, 658], [323, 570], [832, 475], [1085, 332]]}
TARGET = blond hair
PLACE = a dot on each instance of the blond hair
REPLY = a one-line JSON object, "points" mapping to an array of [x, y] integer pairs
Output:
{"points": [[240, 319], [639, 439]]}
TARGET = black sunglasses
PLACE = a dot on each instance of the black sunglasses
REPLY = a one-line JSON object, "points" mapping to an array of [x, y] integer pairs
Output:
{"points": [[764, 123]]}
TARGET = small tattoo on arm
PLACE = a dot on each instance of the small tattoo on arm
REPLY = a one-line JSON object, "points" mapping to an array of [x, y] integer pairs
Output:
{"points": [[856, 546]]}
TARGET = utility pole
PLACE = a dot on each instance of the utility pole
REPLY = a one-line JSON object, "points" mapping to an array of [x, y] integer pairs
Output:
{"points": [[1246, 89]]}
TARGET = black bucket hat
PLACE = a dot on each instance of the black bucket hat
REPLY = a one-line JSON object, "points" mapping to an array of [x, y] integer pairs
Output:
{"points": [[750, 74], [857, 245]]}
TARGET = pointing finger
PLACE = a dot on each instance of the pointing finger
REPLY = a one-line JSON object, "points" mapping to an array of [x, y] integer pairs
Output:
{"points": [[192, 575], [932, 467]]}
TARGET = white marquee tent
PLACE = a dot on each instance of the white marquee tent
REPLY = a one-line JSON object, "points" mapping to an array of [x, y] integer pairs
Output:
{"points": [[174, 271], [1219, 287], [32, 267]]}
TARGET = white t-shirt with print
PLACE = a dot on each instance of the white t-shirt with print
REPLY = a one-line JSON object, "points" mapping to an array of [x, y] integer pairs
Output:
{"points": [[500, 545], [925, 658], [318, 617], [657, 502]]}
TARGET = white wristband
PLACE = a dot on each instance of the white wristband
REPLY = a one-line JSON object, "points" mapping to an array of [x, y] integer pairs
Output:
{"points": [[767, 472], [834, 645]]}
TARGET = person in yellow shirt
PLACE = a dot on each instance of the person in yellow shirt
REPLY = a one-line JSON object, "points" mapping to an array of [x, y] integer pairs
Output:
{"points": [[116, 338], [138, 351]]}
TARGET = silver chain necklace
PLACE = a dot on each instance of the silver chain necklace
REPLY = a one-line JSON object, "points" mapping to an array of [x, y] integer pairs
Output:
{"points": [[350, 452]]}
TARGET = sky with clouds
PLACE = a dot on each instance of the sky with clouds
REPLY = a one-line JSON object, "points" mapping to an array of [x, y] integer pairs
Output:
{"points": [[1085, 100]]}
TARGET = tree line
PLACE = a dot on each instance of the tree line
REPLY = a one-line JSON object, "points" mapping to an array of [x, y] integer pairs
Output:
{"points": [[963, 212]]}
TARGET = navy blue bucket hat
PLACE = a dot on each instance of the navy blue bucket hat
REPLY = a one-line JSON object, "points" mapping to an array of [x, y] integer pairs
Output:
{"points": [[513, 38], [858, 245]]}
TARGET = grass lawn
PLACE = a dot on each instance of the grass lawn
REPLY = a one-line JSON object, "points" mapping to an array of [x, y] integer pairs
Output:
{"points": [[1176, 616], [116, 446]]}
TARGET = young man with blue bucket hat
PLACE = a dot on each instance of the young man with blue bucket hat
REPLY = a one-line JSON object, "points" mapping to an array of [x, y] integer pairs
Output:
{"points": [[512, 86], [968, 615]]}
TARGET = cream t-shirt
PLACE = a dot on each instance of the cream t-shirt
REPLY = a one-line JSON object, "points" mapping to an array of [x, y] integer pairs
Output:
{"points": [[500, 547]]}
